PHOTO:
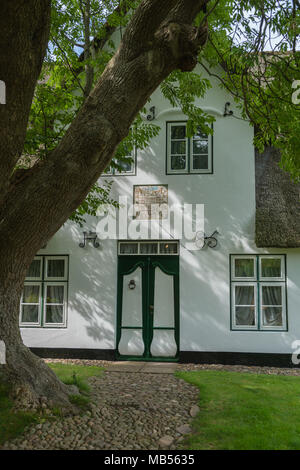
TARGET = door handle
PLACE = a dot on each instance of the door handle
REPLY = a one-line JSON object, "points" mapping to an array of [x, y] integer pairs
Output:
{"points": [[151, 308]]}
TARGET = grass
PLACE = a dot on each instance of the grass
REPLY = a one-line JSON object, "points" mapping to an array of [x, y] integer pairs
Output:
{"points": [[77, 375], [245, 411], [13, 424]]}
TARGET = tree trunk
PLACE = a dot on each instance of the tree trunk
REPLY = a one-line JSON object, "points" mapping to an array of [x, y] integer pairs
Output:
{"points": [[159, 39], [27, 376]]}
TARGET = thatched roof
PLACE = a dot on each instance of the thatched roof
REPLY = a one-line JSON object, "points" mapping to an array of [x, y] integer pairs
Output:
{"points": [[277, 203]]}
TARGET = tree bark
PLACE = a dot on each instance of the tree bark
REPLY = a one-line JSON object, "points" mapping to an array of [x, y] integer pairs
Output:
{"points": [[24, 33], [27, 376], [159, 39]]}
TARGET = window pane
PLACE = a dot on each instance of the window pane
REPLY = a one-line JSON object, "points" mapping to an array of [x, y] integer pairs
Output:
{"points": [[178, 162], [128, 248], [178, 132], [178, 147], [55, 294], [200, 135], [272, 316], [34, 269], [126, 166], [56, 268], [200, 146], [271, 295], [30, 313], [54, 314], [31, 294], [148, 248], [245, 316], [200, 162], [244, 267], [168, 248], [271, 267], [244, 295]]}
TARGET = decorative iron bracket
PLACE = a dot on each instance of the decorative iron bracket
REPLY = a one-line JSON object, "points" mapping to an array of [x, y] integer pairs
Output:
{"points": [[227, 111], [92, 236], [202, 240], [151, 116]]}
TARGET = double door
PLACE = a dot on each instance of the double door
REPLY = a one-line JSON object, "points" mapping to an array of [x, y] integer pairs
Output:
{"points": [[148, 307]]}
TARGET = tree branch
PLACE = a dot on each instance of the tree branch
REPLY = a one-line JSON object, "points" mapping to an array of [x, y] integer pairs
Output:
{"points": [[56, 186]]}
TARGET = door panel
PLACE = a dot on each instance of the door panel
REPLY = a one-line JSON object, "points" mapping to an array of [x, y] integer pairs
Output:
{"points": [[163, 299], [148, 307], [163, 344], [131, 342], [132, 301]]}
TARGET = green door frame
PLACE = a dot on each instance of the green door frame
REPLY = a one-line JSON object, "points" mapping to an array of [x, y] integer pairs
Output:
{"points": [[128, 264]]}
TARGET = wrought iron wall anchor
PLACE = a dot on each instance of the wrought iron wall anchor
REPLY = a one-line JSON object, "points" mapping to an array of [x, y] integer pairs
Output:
{"points": [[202, 240], [227, 111], [151, 116], [92, 236]]}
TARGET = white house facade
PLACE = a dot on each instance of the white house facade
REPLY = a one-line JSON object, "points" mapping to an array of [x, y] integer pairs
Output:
{"points": [[212, 297]]}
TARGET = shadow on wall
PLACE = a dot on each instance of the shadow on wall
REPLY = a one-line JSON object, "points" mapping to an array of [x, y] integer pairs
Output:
{"points": [[92, 289], [204, 274]]}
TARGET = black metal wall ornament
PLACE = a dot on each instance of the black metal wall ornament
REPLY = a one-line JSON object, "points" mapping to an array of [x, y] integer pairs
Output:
{"points": [[91, 236], [132, 284], [227, 111], [152, 114], [202, 240]]}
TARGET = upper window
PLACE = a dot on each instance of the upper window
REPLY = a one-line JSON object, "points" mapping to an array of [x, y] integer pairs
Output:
{"points": [[258, 292], [44, 298], [149, 247], [122, 167], [188, 154]]}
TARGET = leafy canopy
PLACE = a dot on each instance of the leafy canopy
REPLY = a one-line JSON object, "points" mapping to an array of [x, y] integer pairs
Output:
{"points": [[252, 50]]}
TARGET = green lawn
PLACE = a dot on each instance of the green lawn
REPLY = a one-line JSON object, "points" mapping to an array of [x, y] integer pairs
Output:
{"points": [[75, 375], [12, 424], [245, 411]]}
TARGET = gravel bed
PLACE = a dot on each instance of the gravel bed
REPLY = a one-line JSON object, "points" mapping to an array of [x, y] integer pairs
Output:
{"points": [[129, 411], [194, 367], [239, 368]]}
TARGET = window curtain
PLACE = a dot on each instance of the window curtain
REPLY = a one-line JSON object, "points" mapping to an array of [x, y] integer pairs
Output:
{"points": [[30, 304], [244, 302], [272, 305], [54, 314], [55, 295]]}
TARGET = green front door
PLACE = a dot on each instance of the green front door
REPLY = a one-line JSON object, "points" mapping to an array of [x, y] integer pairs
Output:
{"points": [[148, 308]]}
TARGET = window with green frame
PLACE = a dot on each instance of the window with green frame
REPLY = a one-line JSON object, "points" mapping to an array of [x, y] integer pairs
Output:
{"points": [[258, 292], [188, 154], [44, 298]]}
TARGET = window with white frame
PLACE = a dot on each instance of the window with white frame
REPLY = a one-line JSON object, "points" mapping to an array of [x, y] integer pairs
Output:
{"points": [[148, 247], [44, 298], [258, 292], [188, 154], [126, 166]]}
